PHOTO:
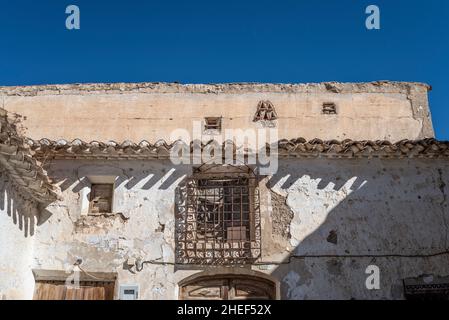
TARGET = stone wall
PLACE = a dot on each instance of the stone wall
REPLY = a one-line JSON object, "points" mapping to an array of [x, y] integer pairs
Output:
{"points": [[323, 222], [151, 111]]}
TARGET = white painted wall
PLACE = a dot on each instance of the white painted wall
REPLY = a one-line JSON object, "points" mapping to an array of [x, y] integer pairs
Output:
{"points": [[17, 227], [378, 208]]}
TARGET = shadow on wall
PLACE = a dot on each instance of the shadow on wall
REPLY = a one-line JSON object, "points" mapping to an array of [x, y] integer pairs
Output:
{"points": [[154, 176], [348, 216], [23, 213]]}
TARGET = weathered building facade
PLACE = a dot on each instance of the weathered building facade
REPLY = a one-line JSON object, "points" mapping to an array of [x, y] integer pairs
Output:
{"points": [[91, 189]]}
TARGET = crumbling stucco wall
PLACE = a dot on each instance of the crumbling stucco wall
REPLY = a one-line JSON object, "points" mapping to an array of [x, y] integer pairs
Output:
{"points": [[151, 111], [141, 226], [355, 213], [333, 218]]}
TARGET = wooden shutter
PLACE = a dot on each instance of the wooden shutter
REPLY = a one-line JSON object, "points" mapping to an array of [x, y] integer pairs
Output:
{"points": [[88, 290], [85, 293], [49, 291]]}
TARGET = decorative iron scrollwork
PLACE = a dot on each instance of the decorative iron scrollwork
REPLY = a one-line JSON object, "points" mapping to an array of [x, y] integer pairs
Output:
{"points": [[218, 221]]}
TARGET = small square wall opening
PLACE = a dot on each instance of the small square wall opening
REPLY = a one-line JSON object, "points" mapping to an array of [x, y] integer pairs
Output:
{"points": [[212, 123], [329, 108], [100, 199]]}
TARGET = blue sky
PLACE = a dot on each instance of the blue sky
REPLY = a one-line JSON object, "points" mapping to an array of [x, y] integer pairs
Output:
{"points": [[229, 41]]}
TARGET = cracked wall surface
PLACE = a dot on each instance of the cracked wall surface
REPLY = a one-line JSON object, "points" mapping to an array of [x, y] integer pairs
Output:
{"points": [[352, 214], [323, 222]]}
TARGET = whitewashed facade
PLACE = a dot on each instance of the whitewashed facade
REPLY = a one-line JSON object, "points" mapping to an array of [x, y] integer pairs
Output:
{"points": [[332, 209]]}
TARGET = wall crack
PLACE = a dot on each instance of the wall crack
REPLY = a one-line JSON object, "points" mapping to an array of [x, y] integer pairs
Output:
{"points": [[441, 186]]}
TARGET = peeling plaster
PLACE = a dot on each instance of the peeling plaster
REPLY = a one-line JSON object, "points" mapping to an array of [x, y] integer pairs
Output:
{"points": [[371, 205]]}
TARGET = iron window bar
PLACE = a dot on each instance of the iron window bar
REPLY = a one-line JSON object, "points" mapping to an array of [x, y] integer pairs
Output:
{"points": [[218, 221]]}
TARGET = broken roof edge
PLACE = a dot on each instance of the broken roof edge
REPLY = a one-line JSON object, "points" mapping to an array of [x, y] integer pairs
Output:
{"points": [[294, 148], [383, 86], [17, 160]]}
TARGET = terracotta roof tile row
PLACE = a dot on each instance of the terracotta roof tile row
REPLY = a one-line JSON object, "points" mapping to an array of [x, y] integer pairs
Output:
{"points": [[17, 159], [77, 149]]}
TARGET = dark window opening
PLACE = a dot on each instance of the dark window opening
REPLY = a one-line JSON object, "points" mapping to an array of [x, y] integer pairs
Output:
{"points": [[329, 108], [219, 221], [101, 198], [223, 209], [212, 123]]}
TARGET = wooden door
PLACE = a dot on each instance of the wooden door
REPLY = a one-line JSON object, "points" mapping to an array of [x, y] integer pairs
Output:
{"points": [[248, 289], [228, 287], [87, 290]]}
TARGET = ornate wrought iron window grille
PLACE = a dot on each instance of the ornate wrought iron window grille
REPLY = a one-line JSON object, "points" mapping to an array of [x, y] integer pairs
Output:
{"points": [[218, 220]]}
